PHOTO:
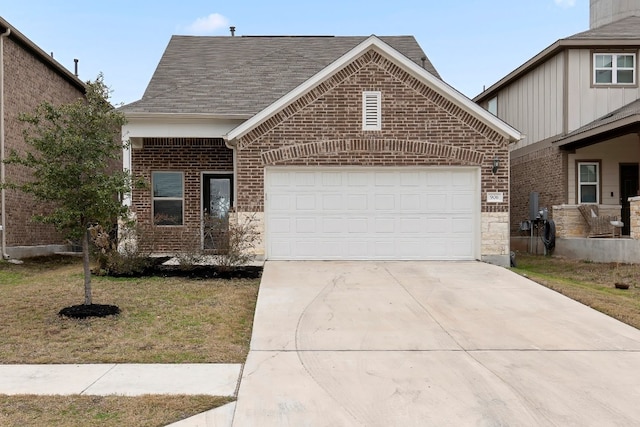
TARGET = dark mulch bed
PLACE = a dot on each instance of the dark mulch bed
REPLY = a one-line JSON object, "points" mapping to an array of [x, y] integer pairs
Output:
{"points": [[156, 267], [83, 311], [208, 272]]}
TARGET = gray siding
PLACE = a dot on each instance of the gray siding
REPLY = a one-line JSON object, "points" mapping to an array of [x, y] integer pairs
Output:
{"points": [[533, 104], [587, 103]]}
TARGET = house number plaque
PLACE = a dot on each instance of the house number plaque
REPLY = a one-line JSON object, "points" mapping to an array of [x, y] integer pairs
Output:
{"points": [[495, 197]]}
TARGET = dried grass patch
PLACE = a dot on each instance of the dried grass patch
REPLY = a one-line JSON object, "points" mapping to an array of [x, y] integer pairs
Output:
{"points": [[590, 283], [103, 411], [163, 320]]}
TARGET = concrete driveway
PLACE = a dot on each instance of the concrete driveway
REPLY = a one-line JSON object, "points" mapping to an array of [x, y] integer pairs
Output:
{"points": [[431, 344]]}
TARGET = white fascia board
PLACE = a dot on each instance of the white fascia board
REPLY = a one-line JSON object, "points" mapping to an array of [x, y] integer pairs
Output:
{"points": [[181, 116], [395, 56], [174, 127]]}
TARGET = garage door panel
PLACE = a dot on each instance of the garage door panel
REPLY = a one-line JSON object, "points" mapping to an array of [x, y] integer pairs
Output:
{"points": [[384, 249], [368, 213], [462, 202], [305, 225], [437, 225], [410, 202], [412, 179], [356, 248], [303, 179], [357, 179], [281, 203], [306, 202], [411, 225], [385, 179], [437, 202], [462, 225], [462, 180], [280, 225], [334, 225], [385, 225], [358, 225], [282, 248], [357, 202], [332, 179], [332, 202], [385, 202]]}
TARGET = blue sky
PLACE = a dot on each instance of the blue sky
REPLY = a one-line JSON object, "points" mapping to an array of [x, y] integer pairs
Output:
{"points": [[472, 43]]}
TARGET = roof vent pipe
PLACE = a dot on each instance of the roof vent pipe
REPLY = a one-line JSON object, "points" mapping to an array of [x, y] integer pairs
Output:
{"points": [[76, 67], [423, 59], [233, 31]]}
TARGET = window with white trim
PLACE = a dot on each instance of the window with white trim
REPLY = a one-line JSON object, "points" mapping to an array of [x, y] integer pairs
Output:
{"points": [[168, 198], [589, 182], [614, 68], [371, 110]]}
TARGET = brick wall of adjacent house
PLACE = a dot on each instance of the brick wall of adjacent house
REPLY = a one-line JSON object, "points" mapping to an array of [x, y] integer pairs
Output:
{"points": [[542, 171], [27, 83], [419, 128], [192, 157]]}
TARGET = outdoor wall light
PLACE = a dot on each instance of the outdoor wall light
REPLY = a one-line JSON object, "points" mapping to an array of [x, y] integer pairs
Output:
{"points": [[496, 163]]}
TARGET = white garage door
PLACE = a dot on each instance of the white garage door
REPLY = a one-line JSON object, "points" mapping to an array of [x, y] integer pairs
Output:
{"points": [[372, 213]]}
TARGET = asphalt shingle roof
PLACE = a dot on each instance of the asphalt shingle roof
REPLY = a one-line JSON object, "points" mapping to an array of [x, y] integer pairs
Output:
{"points": [[243, 75], [631, 109], [626, 28]]}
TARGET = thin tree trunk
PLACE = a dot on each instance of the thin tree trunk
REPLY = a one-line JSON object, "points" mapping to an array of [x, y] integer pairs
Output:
{"points": [[85, 265]]}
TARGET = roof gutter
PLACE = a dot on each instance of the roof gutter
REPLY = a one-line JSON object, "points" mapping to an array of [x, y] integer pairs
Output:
{"points": [[599, 132], [3, 225]]}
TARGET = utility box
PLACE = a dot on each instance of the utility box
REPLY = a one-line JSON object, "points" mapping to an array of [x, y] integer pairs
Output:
{"points": [[533, 206]]}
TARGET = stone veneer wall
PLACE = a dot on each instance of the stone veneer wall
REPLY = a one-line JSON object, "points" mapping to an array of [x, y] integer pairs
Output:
{"points": [[570, 223], [635, 217], [495, 234]]}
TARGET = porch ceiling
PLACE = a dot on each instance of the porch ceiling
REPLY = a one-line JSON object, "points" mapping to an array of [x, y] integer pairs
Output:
{"points": [[620, 122]]}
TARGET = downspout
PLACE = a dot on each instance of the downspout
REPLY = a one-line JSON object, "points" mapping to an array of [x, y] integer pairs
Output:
{"points": [[3, 226]]}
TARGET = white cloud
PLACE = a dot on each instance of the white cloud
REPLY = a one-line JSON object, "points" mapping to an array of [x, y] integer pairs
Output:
{"points": [[565, 3], [208, 25]]}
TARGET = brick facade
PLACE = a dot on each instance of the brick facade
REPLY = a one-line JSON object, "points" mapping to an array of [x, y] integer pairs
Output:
{"points": [[543, 171], [193, 157], [419, 128], [28, 81]]}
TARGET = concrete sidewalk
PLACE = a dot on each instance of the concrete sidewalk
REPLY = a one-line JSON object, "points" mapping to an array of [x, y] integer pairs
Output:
{"points": [[121, 379]]}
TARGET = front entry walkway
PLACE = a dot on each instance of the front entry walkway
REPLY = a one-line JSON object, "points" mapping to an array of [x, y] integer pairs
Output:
{"points": [[431, 343]]}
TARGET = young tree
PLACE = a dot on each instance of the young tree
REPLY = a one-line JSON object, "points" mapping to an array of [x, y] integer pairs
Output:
{"points": [[71, 149]]}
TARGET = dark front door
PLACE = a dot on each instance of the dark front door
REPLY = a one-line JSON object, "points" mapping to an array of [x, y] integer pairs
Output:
{"points": [[628, 188], [217, 200]]}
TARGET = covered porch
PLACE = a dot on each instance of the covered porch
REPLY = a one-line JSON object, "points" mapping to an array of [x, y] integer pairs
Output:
{"points": [[572, 231], [602, 171]]}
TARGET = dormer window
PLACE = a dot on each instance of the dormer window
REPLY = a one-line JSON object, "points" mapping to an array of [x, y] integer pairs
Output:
{"points": [[371, 110], [614, 68]]}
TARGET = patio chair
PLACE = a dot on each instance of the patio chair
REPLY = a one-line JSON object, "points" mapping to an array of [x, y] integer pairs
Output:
{"points": [[600, 225]]}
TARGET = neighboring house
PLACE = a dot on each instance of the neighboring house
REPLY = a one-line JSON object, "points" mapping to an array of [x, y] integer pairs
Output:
{"points": [[28, 76], [342, 147], [577, 105]]}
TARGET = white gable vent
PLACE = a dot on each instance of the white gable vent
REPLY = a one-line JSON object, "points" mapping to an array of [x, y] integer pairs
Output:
{"points": [[371, 110]]}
